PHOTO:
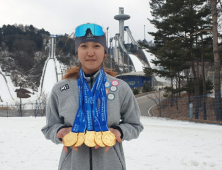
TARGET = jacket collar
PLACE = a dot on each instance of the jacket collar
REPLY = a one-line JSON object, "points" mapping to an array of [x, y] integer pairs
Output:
{"points": [[93, 76]]}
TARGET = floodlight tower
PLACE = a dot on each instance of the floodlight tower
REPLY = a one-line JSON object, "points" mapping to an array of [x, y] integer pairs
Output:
{"points": [[121, 18]]}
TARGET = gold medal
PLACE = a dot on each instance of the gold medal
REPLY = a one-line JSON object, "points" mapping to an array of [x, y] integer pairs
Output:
{"points": [[69, 139], [108, 138], [98, 139], [90, 139], [80, 139]]}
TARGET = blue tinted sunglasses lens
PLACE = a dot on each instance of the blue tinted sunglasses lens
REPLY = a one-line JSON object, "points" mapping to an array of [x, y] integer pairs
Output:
{"points": [[95, 29]]}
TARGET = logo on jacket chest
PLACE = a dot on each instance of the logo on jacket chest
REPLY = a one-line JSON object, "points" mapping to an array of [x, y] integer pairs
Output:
{"points": [[64, 87]]}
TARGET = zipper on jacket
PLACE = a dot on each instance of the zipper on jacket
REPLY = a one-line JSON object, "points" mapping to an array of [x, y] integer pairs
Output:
{"points": [[91, 81], [90, 149], [90, 158]]}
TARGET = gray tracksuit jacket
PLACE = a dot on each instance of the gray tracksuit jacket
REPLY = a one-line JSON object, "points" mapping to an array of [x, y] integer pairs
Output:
{"points": [[61, 110]]}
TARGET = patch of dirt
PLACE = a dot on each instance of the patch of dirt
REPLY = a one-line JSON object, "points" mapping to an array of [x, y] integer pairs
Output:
{"points": [[179, 108]]}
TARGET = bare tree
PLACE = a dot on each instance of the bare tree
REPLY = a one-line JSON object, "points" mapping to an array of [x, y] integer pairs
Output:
{"points": [[42, 101], [156, 97], [214, 13]]}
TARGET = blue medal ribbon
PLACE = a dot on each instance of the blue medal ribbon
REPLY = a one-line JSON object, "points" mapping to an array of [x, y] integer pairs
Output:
{"points": [[88, 115], [100, 118], [89, 98], [79, 124], [103, 107], [96, 111]]}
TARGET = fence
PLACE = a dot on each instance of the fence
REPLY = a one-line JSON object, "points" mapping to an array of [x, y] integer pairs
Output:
{"points": [[22, 110], [196, 108]]}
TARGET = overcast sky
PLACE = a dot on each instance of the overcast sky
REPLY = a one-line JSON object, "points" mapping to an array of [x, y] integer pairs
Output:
{"points": [[63, 16]]}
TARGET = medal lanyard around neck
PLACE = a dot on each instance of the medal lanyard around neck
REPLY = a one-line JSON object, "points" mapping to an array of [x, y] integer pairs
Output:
{"points": [[100, 116], [103, 108], [90, 95], [79, 124], [95, 111], [88, 115]]}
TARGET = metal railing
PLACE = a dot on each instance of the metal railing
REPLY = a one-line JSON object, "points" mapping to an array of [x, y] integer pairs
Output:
{"points": [[22, 110], [197, 108]]}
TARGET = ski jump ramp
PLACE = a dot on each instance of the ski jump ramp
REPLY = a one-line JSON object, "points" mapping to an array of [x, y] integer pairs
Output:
{"points": [[51, 72], [149, 58], [6, 90], [137, 63], [138, 66], [49, 77]]}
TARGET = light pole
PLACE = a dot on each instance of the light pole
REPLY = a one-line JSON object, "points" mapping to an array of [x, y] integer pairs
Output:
{"points": [[107, 37], [110, 40], [117, 37], [144, 32]]}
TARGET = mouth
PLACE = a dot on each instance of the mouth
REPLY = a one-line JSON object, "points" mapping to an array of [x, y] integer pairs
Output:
{"points": [[91, 60]]}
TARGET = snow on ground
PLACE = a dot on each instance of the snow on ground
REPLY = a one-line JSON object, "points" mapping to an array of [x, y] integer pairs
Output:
{"points": [[163, 145]]}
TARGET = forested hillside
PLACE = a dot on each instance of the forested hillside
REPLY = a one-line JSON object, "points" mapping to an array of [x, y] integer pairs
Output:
{"points": [[24, 49]]}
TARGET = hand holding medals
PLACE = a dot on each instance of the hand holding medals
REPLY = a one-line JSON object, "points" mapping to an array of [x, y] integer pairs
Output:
{"points": [[90, 125], [81, 137]]}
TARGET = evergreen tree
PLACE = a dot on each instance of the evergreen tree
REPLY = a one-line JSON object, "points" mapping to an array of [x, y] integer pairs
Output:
{"points": [[179, 40], [1, 36]]}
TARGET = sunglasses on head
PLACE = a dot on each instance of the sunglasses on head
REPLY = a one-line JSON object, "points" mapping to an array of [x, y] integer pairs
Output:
{"points": [[96, 30]]}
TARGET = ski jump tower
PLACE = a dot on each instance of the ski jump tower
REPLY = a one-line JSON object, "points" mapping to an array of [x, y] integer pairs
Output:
{"points": [[121, 18], [122, 52], [50, 74], [120, 37]]}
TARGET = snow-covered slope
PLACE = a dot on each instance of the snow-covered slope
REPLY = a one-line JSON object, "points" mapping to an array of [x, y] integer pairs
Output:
{"points": [[136, 62], [163, 145], [7, 93], [49, 77]]}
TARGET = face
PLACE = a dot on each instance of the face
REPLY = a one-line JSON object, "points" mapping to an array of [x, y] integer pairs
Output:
{"points": [[91, 55]]}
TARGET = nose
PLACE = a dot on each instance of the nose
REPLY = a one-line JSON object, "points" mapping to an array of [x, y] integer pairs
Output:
{"points": [[90, 51]]}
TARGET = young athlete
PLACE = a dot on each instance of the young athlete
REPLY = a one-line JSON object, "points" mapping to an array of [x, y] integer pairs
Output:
{"points": [[90, 111]]}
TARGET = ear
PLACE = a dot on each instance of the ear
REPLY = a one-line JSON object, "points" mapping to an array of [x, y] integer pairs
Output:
{"points": [[105, 55]]}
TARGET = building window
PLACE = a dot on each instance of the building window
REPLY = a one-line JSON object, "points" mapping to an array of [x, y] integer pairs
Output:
{"points": [[131, 83]]}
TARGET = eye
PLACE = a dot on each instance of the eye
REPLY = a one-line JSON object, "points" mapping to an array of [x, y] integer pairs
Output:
{"points": [[97, 45], [83, 45]]}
